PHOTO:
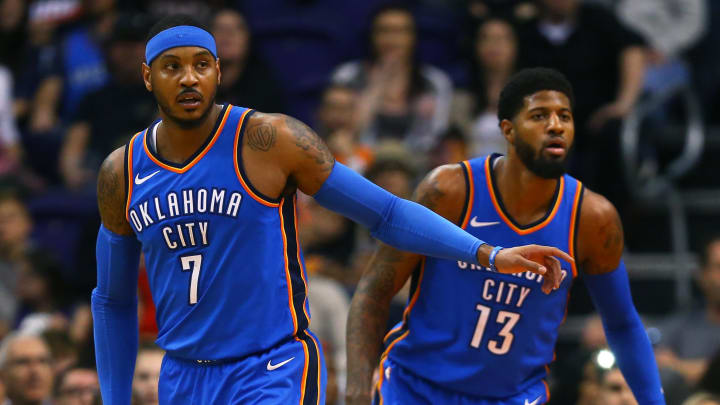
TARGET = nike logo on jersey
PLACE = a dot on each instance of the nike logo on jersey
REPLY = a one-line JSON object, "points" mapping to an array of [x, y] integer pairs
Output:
{"points": [[535, 402], [475, 224], [140, 180], [271, 367]]}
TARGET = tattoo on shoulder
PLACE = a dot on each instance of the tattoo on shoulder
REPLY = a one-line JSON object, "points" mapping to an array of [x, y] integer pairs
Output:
{"points": [[261, 137], [430, 195], [307, 140], [614, 238], [111, 196]]}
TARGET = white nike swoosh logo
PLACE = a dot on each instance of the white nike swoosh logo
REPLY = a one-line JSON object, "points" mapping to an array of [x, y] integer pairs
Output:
{"points": [[475, 224], [140, 180], [533, 402], [272, 367]]}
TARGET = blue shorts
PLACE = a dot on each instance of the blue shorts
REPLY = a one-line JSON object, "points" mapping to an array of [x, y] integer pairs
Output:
{"points": [[400, 387], [290, 373]]}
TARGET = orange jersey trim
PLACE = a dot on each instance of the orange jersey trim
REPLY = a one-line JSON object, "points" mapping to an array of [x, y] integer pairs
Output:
{"points": [[305, 370], [198, 157], [237, 167], [287, 270], [573, 221], [130, 175], [471, 197], [507, 221]]}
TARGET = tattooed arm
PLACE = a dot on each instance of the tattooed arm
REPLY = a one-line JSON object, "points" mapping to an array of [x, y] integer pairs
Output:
{"points": [[442, 191], [111, 193], [298, 157], [114, 300], [600, 246]]}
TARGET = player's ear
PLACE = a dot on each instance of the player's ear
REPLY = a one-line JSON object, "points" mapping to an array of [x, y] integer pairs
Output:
{"points": [[217, 66], [146, 76], [508, 132]]}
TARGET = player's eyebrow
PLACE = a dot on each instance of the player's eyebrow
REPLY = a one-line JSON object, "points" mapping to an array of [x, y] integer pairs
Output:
{"points": [[169, 56], [204, 52]]}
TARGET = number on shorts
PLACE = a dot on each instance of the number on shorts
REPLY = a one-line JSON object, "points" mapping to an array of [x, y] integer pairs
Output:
{"points": [[505, 318], [196, 262]]}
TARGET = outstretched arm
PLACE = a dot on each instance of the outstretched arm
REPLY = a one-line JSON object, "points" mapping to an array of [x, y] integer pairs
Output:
{"points": [[600, 246], [114, 300], [406, 225]]}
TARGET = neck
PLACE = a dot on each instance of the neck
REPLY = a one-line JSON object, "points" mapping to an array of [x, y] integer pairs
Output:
{"points": [[231, 71], [515, 183], [177, 143]]}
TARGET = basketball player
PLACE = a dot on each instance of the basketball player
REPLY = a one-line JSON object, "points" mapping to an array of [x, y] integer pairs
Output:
{"points": [[208, 194], [470, 335]]}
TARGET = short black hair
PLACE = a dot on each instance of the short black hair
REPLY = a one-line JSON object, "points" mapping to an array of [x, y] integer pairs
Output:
{"points": [[175, 20], [527, 82]]}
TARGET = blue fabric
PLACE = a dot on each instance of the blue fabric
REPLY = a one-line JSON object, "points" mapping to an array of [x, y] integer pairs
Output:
{"points": [[182, 35], [464, 322], [114, 309], [401, 386], [403, 224], [626, 335], [246, 381]]}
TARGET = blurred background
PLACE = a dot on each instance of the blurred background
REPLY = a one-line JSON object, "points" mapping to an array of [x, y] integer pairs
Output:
{"points": [[394, 88]]}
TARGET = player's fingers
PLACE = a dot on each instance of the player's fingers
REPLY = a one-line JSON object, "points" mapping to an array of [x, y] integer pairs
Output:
{"points": [[553, 251], [550, 278], [530, 265], [556, 270]]}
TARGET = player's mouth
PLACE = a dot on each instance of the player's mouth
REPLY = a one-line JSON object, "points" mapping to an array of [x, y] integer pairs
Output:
{"points": [[556, 147], [190, 100]]}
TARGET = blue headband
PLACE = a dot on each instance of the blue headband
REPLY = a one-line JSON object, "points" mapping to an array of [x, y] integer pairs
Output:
{"points": [[182, 35]]}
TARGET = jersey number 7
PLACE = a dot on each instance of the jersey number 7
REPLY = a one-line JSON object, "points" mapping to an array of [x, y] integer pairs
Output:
{"points": [[192, 263], [505, 318]]}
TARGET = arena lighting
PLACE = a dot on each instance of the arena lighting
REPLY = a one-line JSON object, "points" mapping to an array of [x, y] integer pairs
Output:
{"points": [[605, 359]]}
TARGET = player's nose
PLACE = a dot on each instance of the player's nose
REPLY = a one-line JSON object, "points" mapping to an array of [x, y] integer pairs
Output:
{"points": [[555, 124], [189, 77]]}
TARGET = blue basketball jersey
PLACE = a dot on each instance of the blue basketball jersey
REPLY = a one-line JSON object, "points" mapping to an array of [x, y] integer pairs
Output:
{"points": [[223, 261], [484, 334]]}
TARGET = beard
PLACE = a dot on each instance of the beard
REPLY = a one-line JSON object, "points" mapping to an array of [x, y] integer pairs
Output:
{"points": [[182, 122], [539, 165]]}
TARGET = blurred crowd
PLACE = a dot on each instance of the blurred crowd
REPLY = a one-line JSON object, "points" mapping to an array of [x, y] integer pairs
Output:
{"points": [[394, 89]]}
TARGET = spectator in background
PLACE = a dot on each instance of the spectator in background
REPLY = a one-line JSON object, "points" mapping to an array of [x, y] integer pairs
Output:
{"points": [[12, 32], [107, 118], [702, 399], [475, 110], [689, 340], [614, 390], [76, 386], [147, 374], [25, 369], [337, 125], [329, 305], [10, 150], [400, 98], [669, 26], [605, 62], [246, 79], [15, 228], [80, 66]]}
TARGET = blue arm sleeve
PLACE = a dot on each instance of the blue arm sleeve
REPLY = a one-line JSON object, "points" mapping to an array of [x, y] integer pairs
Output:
{"points": [[403, 224], [114, 309], [626, 335]]}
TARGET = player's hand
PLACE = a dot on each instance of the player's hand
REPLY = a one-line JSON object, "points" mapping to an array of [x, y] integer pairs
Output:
{"points": [[542, 260]]}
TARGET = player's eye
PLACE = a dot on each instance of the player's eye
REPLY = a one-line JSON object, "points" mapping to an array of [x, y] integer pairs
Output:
{"points": [[537, 117], [171, 66], [203, 64]]}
